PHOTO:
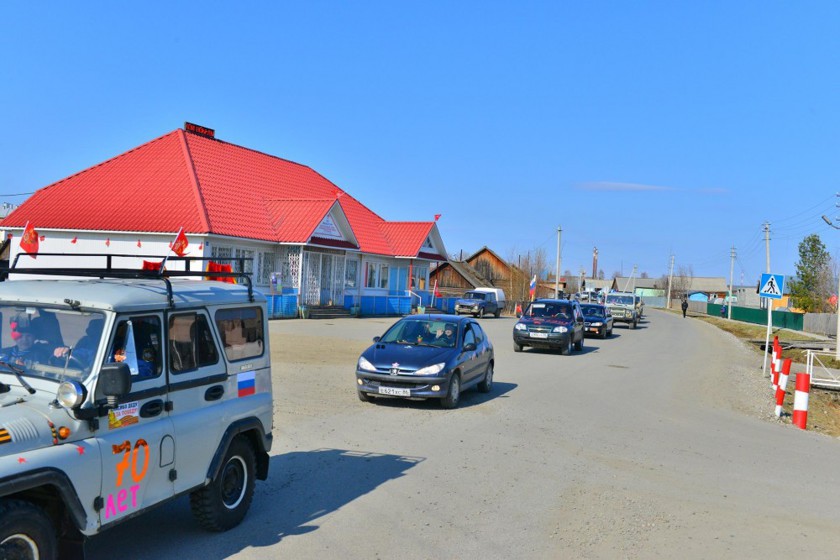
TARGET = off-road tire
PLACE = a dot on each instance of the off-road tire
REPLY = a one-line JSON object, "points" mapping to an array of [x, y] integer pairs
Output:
{"points": [[480, 313], [486, 384], [26, 532], [223, 503], [453, 395], [498, 313]]}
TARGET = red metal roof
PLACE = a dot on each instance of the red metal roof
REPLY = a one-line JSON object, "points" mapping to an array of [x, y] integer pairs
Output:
{"points": [[209, 186]]}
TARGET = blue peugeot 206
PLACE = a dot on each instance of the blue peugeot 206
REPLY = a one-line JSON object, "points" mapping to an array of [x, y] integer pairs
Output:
{"points": [[427, 357]]}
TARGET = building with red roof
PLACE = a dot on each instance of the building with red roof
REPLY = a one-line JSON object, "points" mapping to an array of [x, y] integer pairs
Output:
{"points": [[304, 235]]}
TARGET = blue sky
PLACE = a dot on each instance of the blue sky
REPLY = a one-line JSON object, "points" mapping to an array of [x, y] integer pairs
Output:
{"points": [[643, 128]]}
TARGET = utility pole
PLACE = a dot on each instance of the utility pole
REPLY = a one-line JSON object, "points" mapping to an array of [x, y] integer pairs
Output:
{"points": [[670, 276], [557, 270], [837, 337], [731, 272], [769, 304]]}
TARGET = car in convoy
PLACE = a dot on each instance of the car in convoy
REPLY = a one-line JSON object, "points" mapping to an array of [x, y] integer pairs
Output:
{"points": [[122, 391], [554, 324], [597, 320], [427, 357], [622, 305], [480, 302]]}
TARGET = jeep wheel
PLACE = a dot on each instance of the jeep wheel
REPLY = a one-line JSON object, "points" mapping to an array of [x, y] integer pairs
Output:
{"points": [[480, 314], [498, 313], [223, 503], [487, 383], [26, 532], [454, 395], [633, 325]]}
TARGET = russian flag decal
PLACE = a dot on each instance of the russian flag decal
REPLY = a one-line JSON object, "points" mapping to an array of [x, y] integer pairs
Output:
{"points": [[246, 384]]}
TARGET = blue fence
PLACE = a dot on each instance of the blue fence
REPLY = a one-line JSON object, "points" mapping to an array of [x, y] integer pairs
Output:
{"points": [[286, 305], [282, 306]]}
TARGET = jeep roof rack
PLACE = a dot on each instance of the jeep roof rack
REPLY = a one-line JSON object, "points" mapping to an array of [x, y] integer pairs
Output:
{"points": [[110, 271]]}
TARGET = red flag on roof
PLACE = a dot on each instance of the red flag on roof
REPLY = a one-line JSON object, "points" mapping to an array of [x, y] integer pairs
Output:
{"points": [[437, 216], [179, 246], [151, 265], [29, 240], [218, 267]]}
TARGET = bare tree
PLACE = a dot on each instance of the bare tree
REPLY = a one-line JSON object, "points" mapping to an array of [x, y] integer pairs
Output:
{"points": [[681, 281]]}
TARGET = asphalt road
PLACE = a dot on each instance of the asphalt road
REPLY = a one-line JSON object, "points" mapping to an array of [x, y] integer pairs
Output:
{"points": [[653, 444]]}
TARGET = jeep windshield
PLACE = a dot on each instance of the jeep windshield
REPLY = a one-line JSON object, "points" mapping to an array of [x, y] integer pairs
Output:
{"points": [[474, 295], [549, 310], [620, 300], [42, 341]]}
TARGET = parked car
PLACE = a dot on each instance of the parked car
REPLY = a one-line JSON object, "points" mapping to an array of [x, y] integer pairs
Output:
{"points": [[480, 302], [556, 324], [427, 356], [597, 320]]}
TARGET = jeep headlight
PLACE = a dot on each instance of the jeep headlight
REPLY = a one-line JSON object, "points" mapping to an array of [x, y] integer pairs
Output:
{"points": [[520, 327], [365, 365], [561, 329], [70, 394], [475, 307], [431, 370]]}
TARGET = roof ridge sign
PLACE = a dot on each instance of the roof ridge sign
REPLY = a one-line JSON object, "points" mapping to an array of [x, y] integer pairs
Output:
{"points": [[328, 229], [772, 286]]}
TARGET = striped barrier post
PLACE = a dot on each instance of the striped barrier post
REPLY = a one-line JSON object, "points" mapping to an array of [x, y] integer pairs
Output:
{"points": [[800, 400], [780, 390], [775, 363]]}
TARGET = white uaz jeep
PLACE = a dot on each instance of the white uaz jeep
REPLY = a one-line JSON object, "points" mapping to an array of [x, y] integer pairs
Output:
{"points": [[123, 390]]}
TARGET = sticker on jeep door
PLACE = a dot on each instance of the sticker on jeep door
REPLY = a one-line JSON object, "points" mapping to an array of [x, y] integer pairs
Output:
{"points": [[124, 415], [133, 465], [246, 383]]}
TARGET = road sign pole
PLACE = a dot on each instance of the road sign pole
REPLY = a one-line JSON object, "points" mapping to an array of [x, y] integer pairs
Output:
{"points": [[767, 338]]}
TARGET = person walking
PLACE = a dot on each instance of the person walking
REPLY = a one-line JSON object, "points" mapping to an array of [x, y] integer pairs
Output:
{"points": [[684, 307]]}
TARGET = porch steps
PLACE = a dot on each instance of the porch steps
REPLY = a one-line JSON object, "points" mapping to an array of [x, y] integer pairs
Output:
{"points": [[329, 312]]}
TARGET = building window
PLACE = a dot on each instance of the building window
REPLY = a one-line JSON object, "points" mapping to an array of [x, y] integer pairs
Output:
{"points": [[377, 276], [266, 267], [351, 273], [419, 275], [383, 276]]}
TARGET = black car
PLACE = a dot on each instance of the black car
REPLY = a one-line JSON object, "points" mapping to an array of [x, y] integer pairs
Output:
{"points": [[556, 324], [597, 320], [427, 356]]}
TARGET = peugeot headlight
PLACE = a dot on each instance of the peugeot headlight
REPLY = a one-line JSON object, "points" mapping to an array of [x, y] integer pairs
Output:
{"points": [[365, 365], [70, 394], [520, 327], [430, 370], [561, 329]]}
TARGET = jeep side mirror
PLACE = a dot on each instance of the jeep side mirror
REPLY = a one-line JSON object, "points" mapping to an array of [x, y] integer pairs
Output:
{"points": [[115, 382]]}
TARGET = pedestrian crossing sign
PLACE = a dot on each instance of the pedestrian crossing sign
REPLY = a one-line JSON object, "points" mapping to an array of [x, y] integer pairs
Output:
{"points": [[772, 286]]}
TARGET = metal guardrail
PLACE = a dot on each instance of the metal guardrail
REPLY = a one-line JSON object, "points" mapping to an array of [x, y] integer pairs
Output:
{"points": [[821, 376]]}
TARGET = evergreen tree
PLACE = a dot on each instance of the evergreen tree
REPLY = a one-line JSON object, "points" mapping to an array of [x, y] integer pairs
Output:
{"points": [[811, 290]]}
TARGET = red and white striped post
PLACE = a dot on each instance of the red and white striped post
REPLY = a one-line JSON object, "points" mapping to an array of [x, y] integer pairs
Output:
{"points": [[800, 399], [776, 363], [780, 390]]}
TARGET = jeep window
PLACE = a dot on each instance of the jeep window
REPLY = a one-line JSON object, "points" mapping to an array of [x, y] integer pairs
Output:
{"points": [[49, 342], [242, 332], [136, 342], [551, 310], [191, 343], [621, 300]]}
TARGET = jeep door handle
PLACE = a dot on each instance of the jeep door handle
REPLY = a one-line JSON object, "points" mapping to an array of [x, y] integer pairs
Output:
{"points": [[151, 408], [214, 393]]}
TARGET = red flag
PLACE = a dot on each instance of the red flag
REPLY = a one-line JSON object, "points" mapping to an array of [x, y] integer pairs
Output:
{"points": [[179, 246], [73, 241], [139, 244], [217, 267], [29, 240], [435, 290], [107, 241], [437, 216], [151, 265]]}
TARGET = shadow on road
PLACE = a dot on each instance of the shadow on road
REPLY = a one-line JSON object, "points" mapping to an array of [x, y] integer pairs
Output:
{"points": [[302, 487], [469, 398]]}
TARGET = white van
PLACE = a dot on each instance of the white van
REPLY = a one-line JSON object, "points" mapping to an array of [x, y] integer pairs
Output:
{"points": [[481, 301]]}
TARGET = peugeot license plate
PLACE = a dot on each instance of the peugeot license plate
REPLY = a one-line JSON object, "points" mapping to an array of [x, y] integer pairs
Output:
{"points": [[394, 391]]}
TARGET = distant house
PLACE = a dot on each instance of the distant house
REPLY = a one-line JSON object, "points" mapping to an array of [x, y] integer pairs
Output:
{"points": [[484, 268]]}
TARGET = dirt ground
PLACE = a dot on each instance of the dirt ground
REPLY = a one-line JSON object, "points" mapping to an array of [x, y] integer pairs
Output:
{"points": [[823, 404]]}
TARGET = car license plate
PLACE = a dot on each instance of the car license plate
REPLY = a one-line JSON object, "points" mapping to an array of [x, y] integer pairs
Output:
{"points": [[539, 335], [394, 391]]}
